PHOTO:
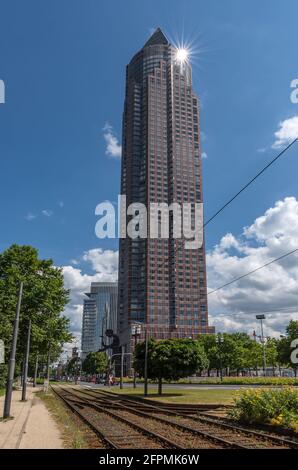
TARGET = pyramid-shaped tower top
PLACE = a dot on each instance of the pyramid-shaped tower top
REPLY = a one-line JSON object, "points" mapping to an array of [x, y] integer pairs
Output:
{"points": [[157, 37]]}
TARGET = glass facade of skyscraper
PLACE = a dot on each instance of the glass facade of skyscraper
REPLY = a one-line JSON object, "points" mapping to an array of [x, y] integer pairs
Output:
{"points": [[161, 283]]}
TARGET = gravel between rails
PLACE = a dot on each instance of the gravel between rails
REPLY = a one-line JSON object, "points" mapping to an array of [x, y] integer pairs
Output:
{"points": [[235, 436], [225, 433], [123, 435], [183, 438]]}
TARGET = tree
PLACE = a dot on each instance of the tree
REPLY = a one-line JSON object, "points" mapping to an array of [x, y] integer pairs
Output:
{"points": [[284, 349], [73, 366], [170, 359], [254, 356], [209, 345], [236, 347], [44, 298], [237, 352], [271, 353], [95, 363]]}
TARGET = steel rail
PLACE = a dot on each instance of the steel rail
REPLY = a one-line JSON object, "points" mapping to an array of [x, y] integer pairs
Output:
{"points": [[204, 419], [94, 428], [181, 427], [152, 435]]}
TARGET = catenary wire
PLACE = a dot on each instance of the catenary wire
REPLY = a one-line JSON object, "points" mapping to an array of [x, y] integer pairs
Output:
{"points": [[253, 271], [282, 152]]}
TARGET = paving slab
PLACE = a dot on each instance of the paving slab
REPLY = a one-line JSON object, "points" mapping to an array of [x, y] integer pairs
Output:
{"points": [[32, 426]]}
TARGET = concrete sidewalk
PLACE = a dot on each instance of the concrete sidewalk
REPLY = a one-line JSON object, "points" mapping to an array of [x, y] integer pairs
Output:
{"points": [[32, 427]]}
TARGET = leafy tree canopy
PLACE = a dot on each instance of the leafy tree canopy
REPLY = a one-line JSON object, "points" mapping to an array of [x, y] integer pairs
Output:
{"points": [[44, 298], [170, 359], [95, 363]]}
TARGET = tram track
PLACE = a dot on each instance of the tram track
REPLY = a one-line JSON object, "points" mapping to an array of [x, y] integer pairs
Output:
{"points": [[115, 431], [215, 430]]}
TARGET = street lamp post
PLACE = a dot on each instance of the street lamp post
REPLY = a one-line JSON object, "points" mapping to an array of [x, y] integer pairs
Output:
{"points": [[121, 367], [122, 354], [12, 359], [146, 365], [35, 370], [26, 360], [262, 317], [145, 325], [136, 331], [219, 341], [24, 389], [78, 366]]}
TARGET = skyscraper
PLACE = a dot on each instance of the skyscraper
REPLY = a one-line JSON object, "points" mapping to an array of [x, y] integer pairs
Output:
{"points": [[161, 283], [96, 318]]}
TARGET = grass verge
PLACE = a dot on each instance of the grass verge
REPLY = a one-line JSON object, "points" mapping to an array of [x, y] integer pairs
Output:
{"points": [[230, 381], [75, 434], [200, 396]]}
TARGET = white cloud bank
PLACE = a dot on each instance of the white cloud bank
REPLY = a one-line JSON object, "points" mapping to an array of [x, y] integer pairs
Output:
{"points": [[113, 148], [104, 265], [273, 289], [287, 132]]}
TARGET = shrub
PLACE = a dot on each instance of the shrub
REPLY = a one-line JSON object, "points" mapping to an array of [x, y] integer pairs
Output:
{"points": [[262, 406]]}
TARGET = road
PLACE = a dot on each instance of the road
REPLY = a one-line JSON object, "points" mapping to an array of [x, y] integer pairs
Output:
{"points": [[176, 386]]}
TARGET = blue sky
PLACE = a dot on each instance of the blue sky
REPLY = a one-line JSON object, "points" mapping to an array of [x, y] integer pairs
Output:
{"points": [[63, 64]]}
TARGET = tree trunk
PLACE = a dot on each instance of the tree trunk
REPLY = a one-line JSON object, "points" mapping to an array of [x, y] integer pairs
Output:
{"points": [[48, 366], [35, 371], [47, 380], [160, 386]]}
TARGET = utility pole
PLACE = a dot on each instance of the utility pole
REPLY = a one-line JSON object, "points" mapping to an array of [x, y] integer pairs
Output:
{"points": [[219, 341], [12, 359], [136, 332], [35, 370], [261, 318], [146, 364], [24, 389], [121, 367], [47, 380]]}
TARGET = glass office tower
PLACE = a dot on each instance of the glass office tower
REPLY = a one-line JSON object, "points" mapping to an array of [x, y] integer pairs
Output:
{"points": [[162, 285]]}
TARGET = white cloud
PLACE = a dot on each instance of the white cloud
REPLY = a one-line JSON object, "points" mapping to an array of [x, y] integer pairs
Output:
{"points": [[30, 216], [113, 148], [47, 212], [204, 155], [203, 136], [262, 149], [74, 261], [103, 262], [104, 265], [287, 132], [273, 289], [61, 204]]}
